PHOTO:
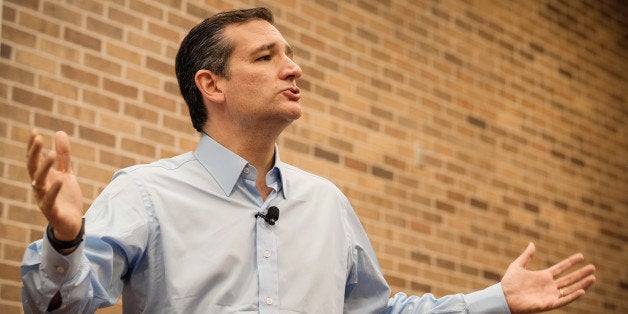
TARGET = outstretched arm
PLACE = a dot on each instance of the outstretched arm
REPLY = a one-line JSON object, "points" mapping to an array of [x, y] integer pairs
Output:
{"points": [[529, 291]]}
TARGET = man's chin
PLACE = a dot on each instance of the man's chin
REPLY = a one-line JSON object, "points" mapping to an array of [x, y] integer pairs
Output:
{"points": [[294, 113]]}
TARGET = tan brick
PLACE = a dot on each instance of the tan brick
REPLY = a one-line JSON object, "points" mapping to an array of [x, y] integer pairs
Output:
{"points": [[185, 23], [57, 87], [141, 113], [82, 38], [147, 9], [101, 101], [117, 123], [519, 117], [15, 115], [79, 75], [124, 53], [17, 36], [143, 42], [164, 32], [32, 99], [115, 160], [176, 123], [94, 6], [43, 63], [11, 232], [17, 74], [157, 136], [54, 48], [54, 123], [104, 28], [95, 172], [124, 17], [62, 13], [139, 76], [11, 292], [97, 136], [76, 112], [40, 25], [27, 215], [120, 88], [136, 147], [312, 42], [103, 65]]}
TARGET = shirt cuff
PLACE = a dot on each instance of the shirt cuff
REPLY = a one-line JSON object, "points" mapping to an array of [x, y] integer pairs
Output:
{"points": [[490, 300], [57, 267]]}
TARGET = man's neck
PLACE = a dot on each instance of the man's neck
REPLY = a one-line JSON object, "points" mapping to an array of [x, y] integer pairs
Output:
{"points": [[257, 148]]}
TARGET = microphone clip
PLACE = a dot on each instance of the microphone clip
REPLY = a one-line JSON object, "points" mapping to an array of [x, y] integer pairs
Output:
{"points": [[272, 215]]}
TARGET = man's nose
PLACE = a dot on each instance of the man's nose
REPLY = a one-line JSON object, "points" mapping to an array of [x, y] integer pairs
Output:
{"points": [[290, 69]]}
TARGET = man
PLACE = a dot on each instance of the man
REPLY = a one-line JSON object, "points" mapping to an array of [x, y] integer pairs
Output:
{"points": [[196, 233]]}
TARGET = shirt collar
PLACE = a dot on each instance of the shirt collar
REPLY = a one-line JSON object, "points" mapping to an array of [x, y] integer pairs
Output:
{"points": [[226, 166]]}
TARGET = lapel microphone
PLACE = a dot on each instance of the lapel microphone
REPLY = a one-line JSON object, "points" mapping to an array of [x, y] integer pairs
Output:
{"points": [[272, 215]]}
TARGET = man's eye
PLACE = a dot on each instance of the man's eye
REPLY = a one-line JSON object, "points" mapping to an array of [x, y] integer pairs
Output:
{"points": [[264, 58]]}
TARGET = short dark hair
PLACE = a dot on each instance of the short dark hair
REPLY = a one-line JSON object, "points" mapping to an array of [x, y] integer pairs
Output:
{"points": [[205, 47]]}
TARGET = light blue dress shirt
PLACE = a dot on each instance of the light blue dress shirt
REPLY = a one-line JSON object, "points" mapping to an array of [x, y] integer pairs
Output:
{"points": [[180, 236]]}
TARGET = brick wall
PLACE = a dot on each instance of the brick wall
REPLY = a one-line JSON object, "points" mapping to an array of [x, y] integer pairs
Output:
{"points": [[460, 130]]}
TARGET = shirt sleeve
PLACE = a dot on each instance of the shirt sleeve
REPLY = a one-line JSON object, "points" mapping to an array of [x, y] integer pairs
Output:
{"points": [[91, 276], [488, 301]]}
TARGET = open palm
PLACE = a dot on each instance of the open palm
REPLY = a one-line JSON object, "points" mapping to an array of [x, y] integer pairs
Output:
{"points": [[530, 291]]}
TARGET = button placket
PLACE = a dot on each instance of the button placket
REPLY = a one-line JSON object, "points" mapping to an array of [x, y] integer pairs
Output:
{"points": [[267, 267]]}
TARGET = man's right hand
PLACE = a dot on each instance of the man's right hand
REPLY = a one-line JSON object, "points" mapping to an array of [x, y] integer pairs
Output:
{"points": [[56, 189]]}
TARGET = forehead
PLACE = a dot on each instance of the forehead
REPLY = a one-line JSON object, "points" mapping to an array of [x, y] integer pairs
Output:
{"points": [[249, 36]]}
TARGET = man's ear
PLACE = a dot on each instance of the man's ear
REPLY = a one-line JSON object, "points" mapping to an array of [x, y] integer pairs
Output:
{"points": [[207, 83]]}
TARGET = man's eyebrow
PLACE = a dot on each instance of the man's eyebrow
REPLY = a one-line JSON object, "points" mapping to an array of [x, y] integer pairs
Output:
{"points": [[263, 47], [270, 46]]}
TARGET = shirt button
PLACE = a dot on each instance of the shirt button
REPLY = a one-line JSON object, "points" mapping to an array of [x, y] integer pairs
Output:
{"points": [[246, 170], [269, 301], [266, 254], [60, 270]]}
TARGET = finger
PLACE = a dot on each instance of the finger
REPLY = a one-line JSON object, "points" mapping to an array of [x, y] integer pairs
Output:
{"points": [[582, 284], [568, 298], [526, 256], [47, 202], [33, 153], [31, 140], [565, 264], [62, 147], [40, 176], [576, 276]]}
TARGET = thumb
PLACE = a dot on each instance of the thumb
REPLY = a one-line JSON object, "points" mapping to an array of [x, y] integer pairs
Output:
{"points": [[525, 257]]}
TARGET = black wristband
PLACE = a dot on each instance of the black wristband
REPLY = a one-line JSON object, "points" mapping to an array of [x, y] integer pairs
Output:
{"points": [[62, 245]]}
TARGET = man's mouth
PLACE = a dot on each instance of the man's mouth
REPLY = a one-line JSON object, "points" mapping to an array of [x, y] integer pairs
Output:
{"points": [[293, 93]]}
